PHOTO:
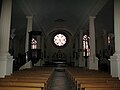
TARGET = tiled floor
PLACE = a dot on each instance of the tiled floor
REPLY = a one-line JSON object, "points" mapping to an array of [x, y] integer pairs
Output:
{"points": [[60, 81]]}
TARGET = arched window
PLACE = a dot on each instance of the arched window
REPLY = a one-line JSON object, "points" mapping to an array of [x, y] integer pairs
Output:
{"points": [[110, 43], [33, 44], [60, 39], [86, 49], [109, 39]]}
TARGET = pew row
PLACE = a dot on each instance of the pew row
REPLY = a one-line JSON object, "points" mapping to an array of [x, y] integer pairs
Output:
{"points": [[84, 79], [32, 79], [18, 88]]}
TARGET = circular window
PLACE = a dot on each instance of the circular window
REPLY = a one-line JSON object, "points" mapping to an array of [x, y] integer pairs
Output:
{"points": [[60, 39]]}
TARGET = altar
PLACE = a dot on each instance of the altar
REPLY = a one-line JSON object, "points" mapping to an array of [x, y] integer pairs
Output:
{"points": [[59, 58]]}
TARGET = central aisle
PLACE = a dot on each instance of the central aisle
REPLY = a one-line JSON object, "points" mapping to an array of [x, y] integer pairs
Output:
{"points": [[60, 81]]}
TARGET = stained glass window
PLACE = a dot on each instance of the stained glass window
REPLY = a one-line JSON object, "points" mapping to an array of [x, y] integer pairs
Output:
{"points": [[33, 44], [109, 39], [86, 49], [60, 40]]}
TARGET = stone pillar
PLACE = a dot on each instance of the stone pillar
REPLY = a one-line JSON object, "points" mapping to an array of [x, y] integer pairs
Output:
{"points": [[81, 58], [105, 45], [115, 59], [6, 61], [11, 42], [42, 49], [29, 28], [76, 51], [92, 61]]}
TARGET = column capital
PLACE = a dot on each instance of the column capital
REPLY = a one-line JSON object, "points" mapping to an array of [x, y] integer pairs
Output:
{"points": [[29, 17], [92, 17]]}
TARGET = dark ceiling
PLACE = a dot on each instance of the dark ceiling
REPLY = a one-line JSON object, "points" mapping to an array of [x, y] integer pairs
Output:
{"points": [[48, 14]]}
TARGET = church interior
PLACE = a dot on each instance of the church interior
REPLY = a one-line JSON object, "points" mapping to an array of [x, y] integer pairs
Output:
{"points": [[59, 44]]}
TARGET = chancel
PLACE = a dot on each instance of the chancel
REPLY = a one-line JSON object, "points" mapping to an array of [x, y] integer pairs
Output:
{"points": [[59, 45]]}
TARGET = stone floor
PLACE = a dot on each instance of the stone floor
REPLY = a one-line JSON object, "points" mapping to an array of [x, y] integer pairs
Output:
{"points": [[60, 81]]}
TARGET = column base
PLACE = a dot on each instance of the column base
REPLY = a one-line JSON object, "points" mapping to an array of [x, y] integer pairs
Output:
{"points": [[76, 62], [6, 64], [115, 65], [26, 65], [38, 63], [81, 62], [92, 63]]}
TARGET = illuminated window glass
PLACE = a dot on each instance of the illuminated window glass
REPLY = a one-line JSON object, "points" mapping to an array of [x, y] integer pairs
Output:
{"points": [[60, 40], [33, 44], [86, 49], [109, 39]]}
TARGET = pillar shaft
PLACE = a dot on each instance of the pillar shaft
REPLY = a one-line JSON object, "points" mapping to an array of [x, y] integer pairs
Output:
{"points": [[115, 59], [81, 61], [92, 35], [29, 28], [93, 62], [76, 51], [5, 21], [117, 25], [6, 61], [42, 49]]}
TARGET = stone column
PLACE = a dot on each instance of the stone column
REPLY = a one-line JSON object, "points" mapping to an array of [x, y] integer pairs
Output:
{"points": [[42, 49], [81, 58], [76, 51], [29, 28], [115, 59], [105, 39], [92, 61], [11, 42], [6, 61]]}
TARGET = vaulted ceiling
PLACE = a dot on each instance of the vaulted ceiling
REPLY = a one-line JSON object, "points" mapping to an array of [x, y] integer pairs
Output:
{"points": [[48, 14]]}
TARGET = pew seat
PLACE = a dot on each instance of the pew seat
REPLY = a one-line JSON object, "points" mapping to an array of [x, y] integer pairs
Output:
{"points": [[102, 88], [99, 85], [23, 84], [18, 88]]}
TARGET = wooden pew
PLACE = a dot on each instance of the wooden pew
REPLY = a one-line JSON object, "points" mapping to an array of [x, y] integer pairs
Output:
{"points": [[46, 80], [78, 72], [99, 85], [27, 77], [23, 84], [89, 88], [23, 80], [18, 88], [77, 80], [87, 79], [35, 79], [96, 81]]}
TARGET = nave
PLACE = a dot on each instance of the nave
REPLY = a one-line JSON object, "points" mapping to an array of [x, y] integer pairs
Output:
{"points": [[52, 78], [60, 81]]}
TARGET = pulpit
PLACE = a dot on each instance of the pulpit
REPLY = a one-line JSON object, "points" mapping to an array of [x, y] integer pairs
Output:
{"points": [[34, 46]]}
